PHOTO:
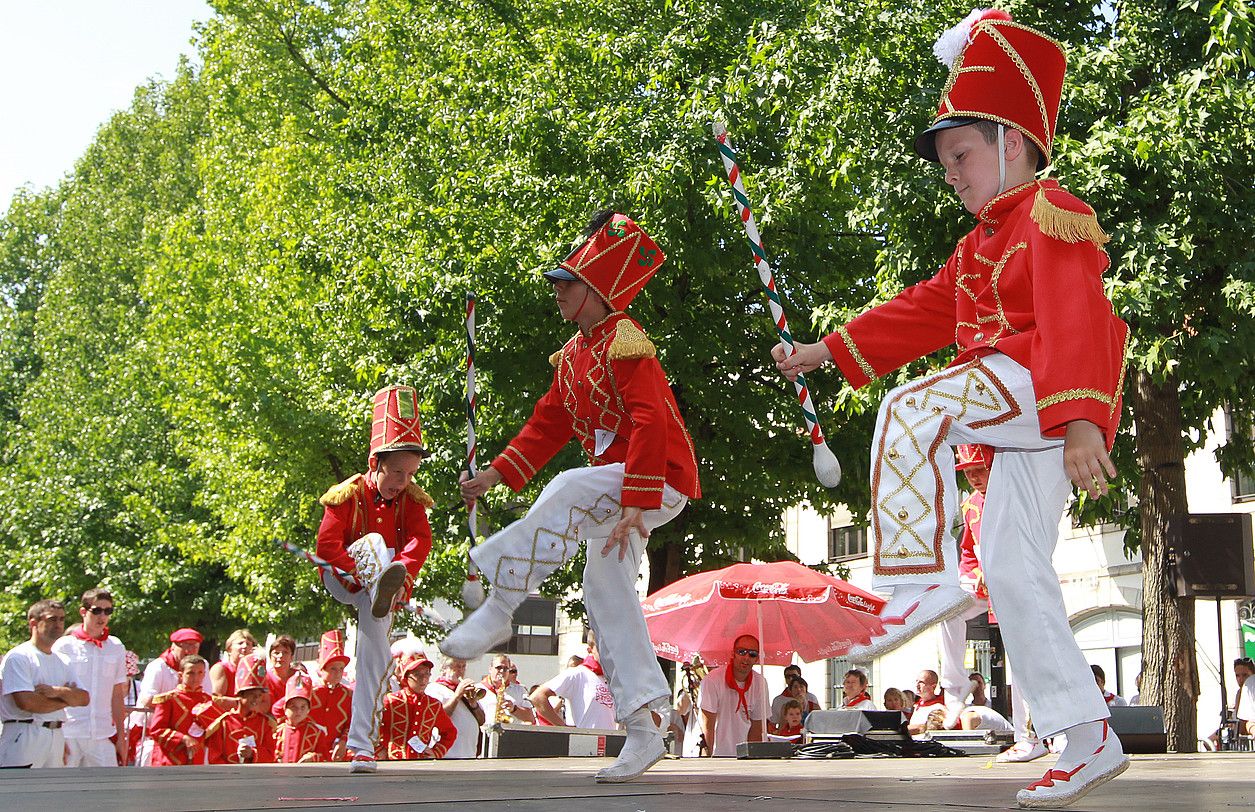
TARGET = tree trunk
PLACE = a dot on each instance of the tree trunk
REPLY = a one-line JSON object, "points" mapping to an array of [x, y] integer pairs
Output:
{"points": [[1170, 669]]}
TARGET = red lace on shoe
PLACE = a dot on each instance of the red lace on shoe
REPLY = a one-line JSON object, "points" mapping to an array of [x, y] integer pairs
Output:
{"points": [[1051, 776], [900, 620]]}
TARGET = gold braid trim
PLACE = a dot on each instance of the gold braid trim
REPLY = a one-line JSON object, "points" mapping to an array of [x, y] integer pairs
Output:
{"points": [[1075, 394], [339, 494], [1068, 226], [419, 495], [629, 342], [855, 354]]}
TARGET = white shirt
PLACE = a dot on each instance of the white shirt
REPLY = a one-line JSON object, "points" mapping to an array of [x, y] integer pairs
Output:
{"points": [[463, 719], [777, 705], [1245, 700], [97, 670], [732, 724], [920, 715], [1114, 700], [26, 666], [587, 697]]}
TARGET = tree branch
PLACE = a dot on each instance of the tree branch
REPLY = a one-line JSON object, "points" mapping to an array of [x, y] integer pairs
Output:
{"points": [[300, 60]]}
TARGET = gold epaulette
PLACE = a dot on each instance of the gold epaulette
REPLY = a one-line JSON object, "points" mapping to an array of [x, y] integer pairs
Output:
{"points": [[160, 698], [419, 495], [1065, 217], [630, 342], [555, 358], [339, 494]]}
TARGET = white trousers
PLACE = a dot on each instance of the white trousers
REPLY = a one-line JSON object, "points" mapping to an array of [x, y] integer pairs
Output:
{"points": [[90, 753], [372, 649], [31, 745], [953, 674], [583, 504], [914, 497]]}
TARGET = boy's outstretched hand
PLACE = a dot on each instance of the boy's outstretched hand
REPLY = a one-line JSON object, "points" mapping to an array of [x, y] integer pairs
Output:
{"points": [[621, 537], [1085, 458], [476, 486], [806, 358]]}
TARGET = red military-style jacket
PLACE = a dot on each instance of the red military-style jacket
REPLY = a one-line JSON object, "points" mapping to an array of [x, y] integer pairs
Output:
{"points": [[294, 742], [174, 717], [333, 709], [354, 508], [610, 392], [1026, 282], [225, 729], [407, 715]]}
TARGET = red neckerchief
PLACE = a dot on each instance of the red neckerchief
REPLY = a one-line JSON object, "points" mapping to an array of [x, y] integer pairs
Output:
{"points": [[741, 700], [80, 634], [1108, 697], [592, 664], [448, 683], [849, 703], [169, 658], [488, 686], [935, 699]]}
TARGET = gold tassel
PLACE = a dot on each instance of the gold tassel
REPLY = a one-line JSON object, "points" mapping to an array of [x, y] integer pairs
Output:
{"points": [[1065, 225], [419, 495], [630, 342], [339, 494]]}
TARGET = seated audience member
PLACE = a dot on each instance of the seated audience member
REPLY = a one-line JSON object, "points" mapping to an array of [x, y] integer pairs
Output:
{"points": [[240, 730], [1136, 699], [910, 699], [791, 672], [414, 725], [1112, 700], [854, 692], [239, 644], [732, 700], [586, 693], [1244, 703], [930, 699], [298, 738], [894, 700], [980, 693], [791, 719], [175, 732]]}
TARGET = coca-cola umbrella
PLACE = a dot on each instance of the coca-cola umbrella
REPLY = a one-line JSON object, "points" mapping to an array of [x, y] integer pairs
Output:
{"points": [[790, 608]]}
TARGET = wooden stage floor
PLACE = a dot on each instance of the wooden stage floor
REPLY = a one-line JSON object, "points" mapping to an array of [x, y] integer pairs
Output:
{"points": [[1152, 784]]}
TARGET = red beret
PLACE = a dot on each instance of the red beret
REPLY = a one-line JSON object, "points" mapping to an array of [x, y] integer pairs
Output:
{"points": [[185, 636]]}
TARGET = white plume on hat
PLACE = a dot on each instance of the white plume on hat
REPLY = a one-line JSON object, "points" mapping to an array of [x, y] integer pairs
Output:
{"points": [[949, 46]]}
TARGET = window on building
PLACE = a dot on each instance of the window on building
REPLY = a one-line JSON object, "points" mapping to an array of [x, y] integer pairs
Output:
{"points": [[535, 628], [1244, 483], [847, 542]]}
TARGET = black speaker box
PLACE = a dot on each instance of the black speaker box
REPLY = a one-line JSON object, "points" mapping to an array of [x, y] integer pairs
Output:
{"points": [[1139, 728], [1211, 555]]}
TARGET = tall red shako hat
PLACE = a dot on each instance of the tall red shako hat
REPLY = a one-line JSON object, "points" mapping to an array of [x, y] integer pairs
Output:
{"points": [[615, 257], [971, 456], [1000, 71], [395, 425], [331, 649]]}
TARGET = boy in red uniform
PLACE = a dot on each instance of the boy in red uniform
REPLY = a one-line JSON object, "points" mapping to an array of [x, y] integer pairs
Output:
{"points": [[1039, 376], [299, 739], [375, 527], [243, 734], [413, 724], [174, 730], [333, 700], [608, 390]]}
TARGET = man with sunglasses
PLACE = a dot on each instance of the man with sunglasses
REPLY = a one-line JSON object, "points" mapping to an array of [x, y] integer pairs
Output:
{"points": [[97, 661], [38, 687], [733, 699]]}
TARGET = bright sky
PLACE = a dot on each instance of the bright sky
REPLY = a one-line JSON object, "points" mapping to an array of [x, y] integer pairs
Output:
{"points": [[70, 64]]}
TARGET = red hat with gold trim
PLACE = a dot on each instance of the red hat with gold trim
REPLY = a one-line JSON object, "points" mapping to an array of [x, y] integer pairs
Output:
{"points": [[973, 456], [331, 648], [395, 425], [299, 686], [1000, 71], [249, 674], [614, 257]]}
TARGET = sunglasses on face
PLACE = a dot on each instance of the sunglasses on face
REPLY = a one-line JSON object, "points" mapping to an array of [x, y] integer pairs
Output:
{"points": [[514, 671], [101, 610], [752, 653]]}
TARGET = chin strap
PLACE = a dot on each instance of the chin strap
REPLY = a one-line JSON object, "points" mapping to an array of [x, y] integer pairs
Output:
{"points": [[580, 310], [1002, 159]]}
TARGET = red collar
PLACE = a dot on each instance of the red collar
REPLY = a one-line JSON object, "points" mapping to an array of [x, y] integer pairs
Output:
{"points": [[935, 699], [849, 703], [592, 664], [81, 634]]}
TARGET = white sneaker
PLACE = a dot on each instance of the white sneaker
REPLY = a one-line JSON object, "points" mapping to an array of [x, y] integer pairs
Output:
{"points": [[384, 591], [643, 749], [1059, 788], [362, 763], [1021, 751], [487, 626], [934, 604]]}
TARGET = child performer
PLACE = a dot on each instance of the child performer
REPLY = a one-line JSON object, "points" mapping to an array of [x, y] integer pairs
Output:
{"points": [[375, 526], [333, 700], [244, 734], [608, 390], [414, 725], [299, 739], [175, 733], [1038, 376]]}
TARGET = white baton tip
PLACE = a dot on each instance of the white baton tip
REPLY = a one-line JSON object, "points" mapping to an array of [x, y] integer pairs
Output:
{"points": [[472, 594], [827, 469], [719, 129]]}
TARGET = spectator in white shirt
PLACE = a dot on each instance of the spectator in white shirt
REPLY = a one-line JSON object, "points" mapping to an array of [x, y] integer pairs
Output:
{"points": [[97, 662], [461, 700], [733, 700], [586, 693], [1112, 700], [38, 687]]}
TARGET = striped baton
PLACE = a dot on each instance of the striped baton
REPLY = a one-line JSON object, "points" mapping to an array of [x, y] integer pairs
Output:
{"points": [[472, 587]]}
